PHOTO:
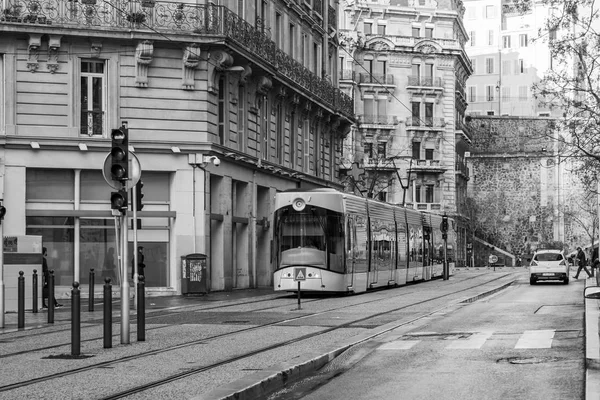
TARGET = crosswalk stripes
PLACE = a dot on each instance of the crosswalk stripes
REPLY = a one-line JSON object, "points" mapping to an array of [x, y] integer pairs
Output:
{"points": [[530, 339]]}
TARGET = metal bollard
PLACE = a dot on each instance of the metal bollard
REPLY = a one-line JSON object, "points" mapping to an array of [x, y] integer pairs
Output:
{"points": [[51, 297], [75, 320], [34, 292], [91, 300], [21, 300], [141, 310], [107, 314]]}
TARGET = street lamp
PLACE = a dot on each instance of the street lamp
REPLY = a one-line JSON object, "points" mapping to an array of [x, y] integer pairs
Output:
{"points": [[404, 187], [499, 96]]}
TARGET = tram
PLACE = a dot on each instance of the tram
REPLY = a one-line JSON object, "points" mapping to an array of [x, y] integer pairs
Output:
{"points": [[329, 241]]}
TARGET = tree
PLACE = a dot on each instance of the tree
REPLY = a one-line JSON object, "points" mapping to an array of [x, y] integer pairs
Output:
{"points": [[573, 82], [581, 217]]}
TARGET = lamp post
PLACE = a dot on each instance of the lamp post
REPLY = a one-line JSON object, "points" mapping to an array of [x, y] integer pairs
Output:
{"points": [[404, 187], [499, 97]]}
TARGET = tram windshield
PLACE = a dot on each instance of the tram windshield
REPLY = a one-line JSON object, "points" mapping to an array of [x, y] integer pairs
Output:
{"points": [[313, 237]]}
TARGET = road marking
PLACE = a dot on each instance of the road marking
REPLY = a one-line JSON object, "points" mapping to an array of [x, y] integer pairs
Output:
{"points": [[475, 341], [541, 339], [398, 345]]}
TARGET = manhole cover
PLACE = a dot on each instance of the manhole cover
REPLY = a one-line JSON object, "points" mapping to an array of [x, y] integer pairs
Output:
{"points": [[529, 360]]}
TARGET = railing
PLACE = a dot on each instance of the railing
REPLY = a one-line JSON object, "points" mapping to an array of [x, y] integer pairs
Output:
{"points": [[377, 119], [400, 40], [462, 168], [428, 206], [427, 163], [164, 17], [92, 123], [378, 79], [427, 122], [466, 129], [426, 81]]}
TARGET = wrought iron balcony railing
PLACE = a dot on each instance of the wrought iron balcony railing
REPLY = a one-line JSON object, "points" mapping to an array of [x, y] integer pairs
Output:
{"points": [[425, 81], [378, 119], [378, 79], [427, 122], [169, 17], [347, 74], [92, 123]]}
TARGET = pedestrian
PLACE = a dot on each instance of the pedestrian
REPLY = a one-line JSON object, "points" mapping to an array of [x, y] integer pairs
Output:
{"points": [[140, 260], [46, 287], [582, 263]]}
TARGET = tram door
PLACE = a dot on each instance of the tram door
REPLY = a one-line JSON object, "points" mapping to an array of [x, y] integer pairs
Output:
{"points": [[350, 239]]}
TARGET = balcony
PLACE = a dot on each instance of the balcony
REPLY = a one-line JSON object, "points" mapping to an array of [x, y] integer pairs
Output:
{"points": [[347, 75], [427, 166], [461, 169], [464, 130], [411, 41], [426, 123], [381, 164], [416, 81], [367, 119], [377, 79], [161, 19]]}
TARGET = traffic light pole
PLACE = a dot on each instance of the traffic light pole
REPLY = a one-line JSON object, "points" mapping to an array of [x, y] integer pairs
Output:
{"points": [[135, 251], [2, 292], [124, 282]]}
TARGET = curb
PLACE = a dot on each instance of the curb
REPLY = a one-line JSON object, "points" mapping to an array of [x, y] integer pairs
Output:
{"points": [[592, 345], [255, 386]]}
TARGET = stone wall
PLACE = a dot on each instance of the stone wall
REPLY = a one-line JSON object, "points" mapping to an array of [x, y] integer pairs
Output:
{"points": [[514, 181]]}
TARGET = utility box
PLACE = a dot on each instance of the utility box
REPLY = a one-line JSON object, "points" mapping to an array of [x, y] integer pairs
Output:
{"points": [[22, 253], [193, 274]]}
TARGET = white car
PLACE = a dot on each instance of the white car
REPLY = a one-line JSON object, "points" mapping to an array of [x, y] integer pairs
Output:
{"points": [[549, 265]]}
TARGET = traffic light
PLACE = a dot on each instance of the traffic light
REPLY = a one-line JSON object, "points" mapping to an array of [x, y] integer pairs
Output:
{"points": [[139, 195], [2, 211], [119, 155], [118, 200], [444, 226]]}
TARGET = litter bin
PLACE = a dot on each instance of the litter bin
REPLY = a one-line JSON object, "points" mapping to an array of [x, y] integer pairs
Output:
{"points": [[193, 274]]}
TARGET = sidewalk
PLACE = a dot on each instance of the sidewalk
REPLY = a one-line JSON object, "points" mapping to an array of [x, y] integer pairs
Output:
{"points": [[592, 339]]}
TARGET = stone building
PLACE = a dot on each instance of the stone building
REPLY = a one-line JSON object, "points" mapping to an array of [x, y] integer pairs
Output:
{"points": [[405, 63], [519, 183], [246, 82]]}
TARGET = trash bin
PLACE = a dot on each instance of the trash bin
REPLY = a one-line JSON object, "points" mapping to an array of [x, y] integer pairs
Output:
{"points": [[193, 274]]}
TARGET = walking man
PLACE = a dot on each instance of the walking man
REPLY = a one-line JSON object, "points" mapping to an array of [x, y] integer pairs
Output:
{"points": [[581, 262]]}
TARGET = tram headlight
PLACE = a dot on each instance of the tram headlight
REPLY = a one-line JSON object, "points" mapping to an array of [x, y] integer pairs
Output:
{"points": [[298, 204]]}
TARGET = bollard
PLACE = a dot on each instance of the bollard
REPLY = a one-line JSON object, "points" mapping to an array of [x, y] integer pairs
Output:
{"points": [[107, 314], [21, 300], [75, 320], [50, 299], [141, 310], [34, 292], [91, 300]]}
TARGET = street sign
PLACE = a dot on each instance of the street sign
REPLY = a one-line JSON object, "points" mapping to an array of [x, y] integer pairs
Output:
{"points": [[493, 259], [135, 172], [299, 274]]}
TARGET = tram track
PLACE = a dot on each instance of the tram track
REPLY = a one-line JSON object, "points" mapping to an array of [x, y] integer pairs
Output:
{"points": [[207, 340], [91, 324]]}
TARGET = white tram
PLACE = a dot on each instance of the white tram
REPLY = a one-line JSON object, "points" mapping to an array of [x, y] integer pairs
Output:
{"points": [[330, 241]]}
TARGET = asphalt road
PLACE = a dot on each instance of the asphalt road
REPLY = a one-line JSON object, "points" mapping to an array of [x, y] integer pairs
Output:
{"points": [[526, 342]]}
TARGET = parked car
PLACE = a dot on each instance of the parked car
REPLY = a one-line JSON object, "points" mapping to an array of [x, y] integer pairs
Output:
{"points": [[549, 264]]}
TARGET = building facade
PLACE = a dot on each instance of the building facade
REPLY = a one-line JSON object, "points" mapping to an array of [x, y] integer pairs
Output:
{"points": [[508, 55], [406, 65], [247, 83]]}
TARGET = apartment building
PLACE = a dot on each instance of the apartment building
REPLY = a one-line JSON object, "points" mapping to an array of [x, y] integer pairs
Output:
{"points": [[246, 82], [406, 65]]}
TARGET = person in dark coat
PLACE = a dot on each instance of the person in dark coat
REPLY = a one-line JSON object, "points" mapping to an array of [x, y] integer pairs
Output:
{"points": [[46, 275], [582, 263]]}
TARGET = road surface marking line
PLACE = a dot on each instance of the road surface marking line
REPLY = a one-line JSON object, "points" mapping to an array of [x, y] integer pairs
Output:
{"points": [[474, 342], [541, 339], [398, 345]]}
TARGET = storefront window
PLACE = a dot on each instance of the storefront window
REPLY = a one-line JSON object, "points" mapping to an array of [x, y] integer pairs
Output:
{"points": [[50, 184], [156, 261], [98, 251], [58, 238]]}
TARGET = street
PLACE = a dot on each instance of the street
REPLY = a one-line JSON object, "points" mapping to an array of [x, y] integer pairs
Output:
{"points": [[526, 342]]}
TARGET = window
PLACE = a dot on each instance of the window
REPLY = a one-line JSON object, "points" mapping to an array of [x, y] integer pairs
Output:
{"points": [[382, 196], [50, 184], [472, 38], [381, 150], [429, 154], [522, 93], [471, 12], [416, 113], [429, 193], [416, 150], [293, 139], [472, 94], [368, 28], [490, 12], [429, 32], [369, 106], [429, 114], [506, 42], [93, 98], [521, 66], [315, 58], [291, 41], [505, 94], [416, 32], [489, 93], [416, 72], [474, 65], [490, 38], [241, 118], [424, 192], [278, 25], [523, 40], [368, 148], [489, 65], [506, 70], [381, 30], [221, 110]]}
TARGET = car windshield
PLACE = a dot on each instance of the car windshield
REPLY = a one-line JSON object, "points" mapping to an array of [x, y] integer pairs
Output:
{"points": [[548, 257]]}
